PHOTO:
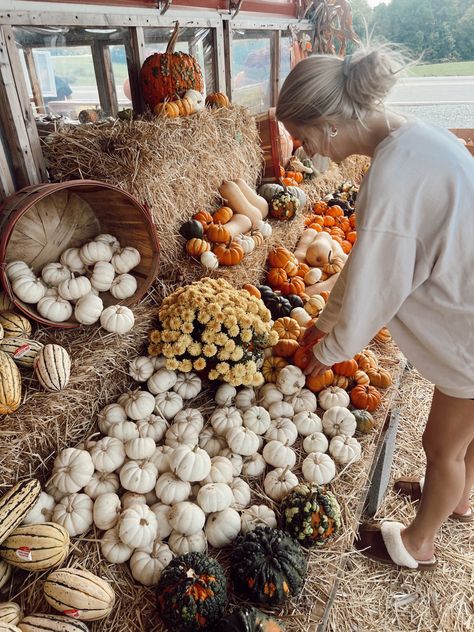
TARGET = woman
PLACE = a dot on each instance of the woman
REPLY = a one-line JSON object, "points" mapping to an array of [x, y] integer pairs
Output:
{"points": [[411, 269]]}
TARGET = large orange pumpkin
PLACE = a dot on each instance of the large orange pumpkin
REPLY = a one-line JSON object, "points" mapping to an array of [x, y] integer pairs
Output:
{"points": [[169, 75], [346, 368], [229, 254]]}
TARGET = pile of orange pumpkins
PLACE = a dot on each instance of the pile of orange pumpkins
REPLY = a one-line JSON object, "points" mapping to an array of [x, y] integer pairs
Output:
{"points": [[288, 275], [332, 220]]}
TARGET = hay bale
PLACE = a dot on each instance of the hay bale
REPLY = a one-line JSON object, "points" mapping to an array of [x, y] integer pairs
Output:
{"points": [[352, 168]]}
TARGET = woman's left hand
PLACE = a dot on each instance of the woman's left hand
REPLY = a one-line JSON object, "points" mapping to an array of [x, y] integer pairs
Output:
{"points": [[315, 367]]}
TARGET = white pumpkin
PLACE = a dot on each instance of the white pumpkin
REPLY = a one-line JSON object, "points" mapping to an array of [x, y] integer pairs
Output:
{"points": [[181, 433], [106, 511], [123, 286], [225, 395], [139, 405], [281, 409], [282, 429], [138, 526], [140, 448], [254, 465], [222, 527], [210, 441], [315, 442], [161, 381], [102, 483], [242, 493], [74, 513], [256, 418], [264, 227], [88, 309], [333, 396], [74, 288], [141, 368], [110, 415], [55, 308], [192, 416], [221, 471], [108, 454], [245, 398], [54, 273], [161, 458], [242, 441], [278, 454], [187, 518], [313, 276], [28, 290], [269, 394], [124, 430], [113, 549], [53, 491], [301, 316], [290, 380], [257, 516], [170, 489], [181, 544], [187, 385], [339, 420], [236, 460], [117, 319], [72, 470], [246, 242], [214, 497], [129, 499], [209, 260], [16, 269], [304, 401], [103, 276], [162, 513], [109, 239], [72, 260], [42, 510], [138, 476], [151, 497], [307, 423], [345, 449], [225, 418], [153, 427], [318, 468], [190, 464], [147, 564], [279, 482], [168, 404], [94, 251], [159, 362], [125, 259]]}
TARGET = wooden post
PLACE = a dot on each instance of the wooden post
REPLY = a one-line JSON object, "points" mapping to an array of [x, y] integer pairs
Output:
{"points": [[16, 116], [7, 186], [135, 51], [104, 75], [228, 57], [275, 67], [35, 84]]}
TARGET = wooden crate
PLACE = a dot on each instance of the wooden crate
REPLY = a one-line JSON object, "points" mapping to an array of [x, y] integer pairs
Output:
{"points": [[467, 135], [276, 145]]}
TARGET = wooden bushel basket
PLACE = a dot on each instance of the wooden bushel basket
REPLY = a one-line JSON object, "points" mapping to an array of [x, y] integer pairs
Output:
{"points": [[276, 149], [39, 222]]}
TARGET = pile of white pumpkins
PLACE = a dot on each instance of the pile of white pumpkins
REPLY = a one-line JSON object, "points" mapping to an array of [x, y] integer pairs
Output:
{"points": [[71, 287], [160, 482]]}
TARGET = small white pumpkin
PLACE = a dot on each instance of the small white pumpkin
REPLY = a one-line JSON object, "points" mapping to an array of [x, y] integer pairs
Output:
{"points": [[102, 483], [313, 276], [190, 464], [254, 465], [168, 404], [138, 476], [181, 433], [53, 491], [214, 497], [279, 482], [245, 398], [162, 513], [242, 441], [108, 454], [129, 499], [225, 395], [123, 286], [55, 273], [74, 288], [269, 394], [161, 381], [282, 429], [246, 242], [242, 493], [197, 99], [138, 526], [88, 309], [124, 430], [74, 513], [16, 269], [170, 489], [256, 418], [113, 549], [72, 470], [257, 516], [301, 316], [209, 260], [55, 308], [290, 380], [345, 449], [140, 448], [236, 460], [110, 415], [147, 564], [333, 396], [318, 468], [94, 251], [28, 290], [109, 239], [117, 319], [159, 362], [222, 527], [281, 409], [278, 454], [264, 227], [210, 441], [304, 401], [187, 385], [221, 471], [181, 544], [187, 518], [315, 442], [339, 420], [102, 276], [153, 427], [125, 259], [306, 423], [141, 368], [161, 458], [106, 511], [42, 510], [139, 405], [191, 416], [225, 418], [72, 260]]}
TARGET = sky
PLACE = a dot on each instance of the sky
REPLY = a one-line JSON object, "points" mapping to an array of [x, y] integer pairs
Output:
{"points": [[373, 3]]}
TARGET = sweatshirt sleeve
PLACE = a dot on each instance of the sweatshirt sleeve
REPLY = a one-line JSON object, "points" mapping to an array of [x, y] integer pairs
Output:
{"points": [[375, 281], [330, 314]]}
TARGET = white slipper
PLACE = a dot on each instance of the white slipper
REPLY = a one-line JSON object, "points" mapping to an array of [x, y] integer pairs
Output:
{"points": [[392, 537]]}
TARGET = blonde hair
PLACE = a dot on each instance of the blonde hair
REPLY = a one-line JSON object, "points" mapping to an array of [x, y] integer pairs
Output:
{"points": [[328, 87]]}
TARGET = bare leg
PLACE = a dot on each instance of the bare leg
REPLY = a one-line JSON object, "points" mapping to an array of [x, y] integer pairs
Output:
{"points": [[448, 435], [465, 504]]}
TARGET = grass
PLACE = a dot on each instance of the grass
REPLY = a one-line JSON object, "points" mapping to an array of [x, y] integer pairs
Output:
{"points": [[79, 69], [450, 69]]}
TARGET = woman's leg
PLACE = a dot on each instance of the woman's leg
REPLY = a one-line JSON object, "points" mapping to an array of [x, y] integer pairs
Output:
{"points": [[465, 504], [448, 435]]}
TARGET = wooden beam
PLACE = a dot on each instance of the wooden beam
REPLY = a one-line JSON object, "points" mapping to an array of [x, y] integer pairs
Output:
{"points": [[7, 186], [228, 57], [35, 84], [104, 75], [135, 52], [275, 67]]}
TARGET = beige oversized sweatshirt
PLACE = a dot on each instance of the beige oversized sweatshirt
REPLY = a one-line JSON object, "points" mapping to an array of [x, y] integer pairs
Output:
{"points": [[412, 267]]}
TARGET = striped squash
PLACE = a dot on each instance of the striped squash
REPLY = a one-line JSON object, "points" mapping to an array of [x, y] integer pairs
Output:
{"points": [[15, 504], [15, 325], [8, 627], [10, 385], [10, 612], [53, 367], [51, 623], [21, 350], [6, 304], [1, 332], [79, 593], [5, 573], [36, 547]]}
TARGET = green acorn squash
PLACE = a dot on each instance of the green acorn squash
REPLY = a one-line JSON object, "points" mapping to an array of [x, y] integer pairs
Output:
{"points": [[310, 514], [365, 420], [248, 619], [267, 566]]}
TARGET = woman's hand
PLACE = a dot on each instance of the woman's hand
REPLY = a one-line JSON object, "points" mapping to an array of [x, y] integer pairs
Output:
{"points": [[315, 367], [311, 336]]}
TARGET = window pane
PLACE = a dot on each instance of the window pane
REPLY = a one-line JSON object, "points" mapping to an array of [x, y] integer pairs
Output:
{"points": [[285, 60], [251, 81]]}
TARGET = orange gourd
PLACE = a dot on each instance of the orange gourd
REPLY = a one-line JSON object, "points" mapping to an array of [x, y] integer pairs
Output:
{"points": [[279, 257], [352, 220], [251, 289], [285, 348], [291, 268], [294, 285], [319, 382], [347, 368], [276, 277], [329, 220], [271, 368], [366, 397], [351, 236], [320, 207], [335, 211], [287, 328], [196, 247], [223, 215], [379, 377], [229, 254], [205, 218], [218, 234]]}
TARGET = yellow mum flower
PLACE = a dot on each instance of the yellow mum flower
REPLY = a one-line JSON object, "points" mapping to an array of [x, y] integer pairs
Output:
{"points": [[172, 364], [231, 321], [168, 351], [175, 323], [204, 317], [208, 336], [185, 339], [199, 364], [187, 327], [234, 331], [167, 336], [246, 335], [223, 355], [229, 346], [223, 367], [180, 348], [213, 375], [221, 339], [251, 366], [209, 350], [154, 349], [155, 336], [195, 349], [245, 321], [188, 314], [272, 338], [237, 354], [258, 380], [239, 370], [185, 366]]}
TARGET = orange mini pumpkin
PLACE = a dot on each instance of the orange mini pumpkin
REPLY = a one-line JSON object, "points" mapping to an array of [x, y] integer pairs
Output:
{"points": [[347, 368], [341, 380], [303, 269], [346, 246], [294, 285], [223, 215], [205, 218], [279, 257], [379, 377], [271, 368], [365, 396], [302, 357], [319, 382], [218, 234], [285, 348], [291, 268], [276, 277], [251, 289], [229, 254], [258, 238], [351, 236], [320, 207], [317, 227], [196, 247], [361, 377], [287, 328], [329, 220], [335, 211], [352, 220], [217, 100]]}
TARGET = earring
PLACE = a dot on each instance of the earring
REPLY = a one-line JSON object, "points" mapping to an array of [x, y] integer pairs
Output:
{"points": [[333, 132]]}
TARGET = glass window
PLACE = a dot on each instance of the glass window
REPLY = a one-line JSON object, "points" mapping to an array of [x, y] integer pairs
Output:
{"points": [[285, 55], [251, 69], [71, 69]]}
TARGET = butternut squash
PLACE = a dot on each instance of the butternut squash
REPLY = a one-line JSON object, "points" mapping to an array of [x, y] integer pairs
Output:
{"points": [[239, 224], [305, 240], [320, 250], [256, 200], [238, 202]]}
